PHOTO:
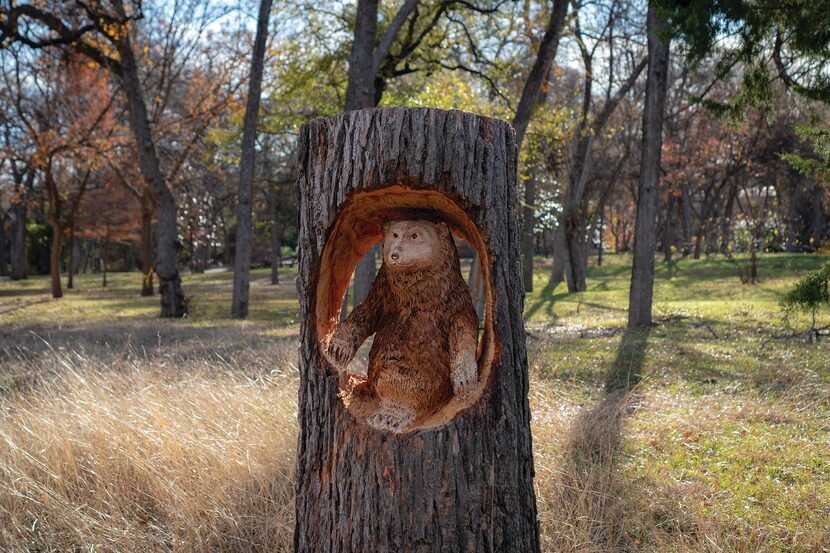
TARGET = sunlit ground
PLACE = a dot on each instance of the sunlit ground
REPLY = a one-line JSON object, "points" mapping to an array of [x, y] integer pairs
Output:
{"points": [[707, 433]]}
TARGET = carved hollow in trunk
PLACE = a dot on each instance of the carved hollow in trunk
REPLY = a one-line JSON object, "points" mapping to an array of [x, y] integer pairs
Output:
{"points": [[356, 231]]}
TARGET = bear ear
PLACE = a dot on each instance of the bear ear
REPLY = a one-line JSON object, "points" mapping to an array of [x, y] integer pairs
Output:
{"points": [[443, 229], [385, 226]]}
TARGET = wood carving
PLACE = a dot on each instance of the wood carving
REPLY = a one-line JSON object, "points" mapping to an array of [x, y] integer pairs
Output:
{"points": [[425, 327]]}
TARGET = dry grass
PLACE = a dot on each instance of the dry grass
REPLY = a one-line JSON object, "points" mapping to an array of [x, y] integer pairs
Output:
{"points": [[133, 456]]}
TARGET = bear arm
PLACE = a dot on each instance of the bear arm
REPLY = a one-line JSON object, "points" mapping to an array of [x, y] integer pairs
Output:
{"points": [[463, 345], [359, 325]]}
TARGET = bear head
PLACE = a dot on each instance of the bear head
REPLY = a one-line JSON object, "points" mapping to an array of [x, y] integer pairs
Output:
{"points": [[413, 244]]}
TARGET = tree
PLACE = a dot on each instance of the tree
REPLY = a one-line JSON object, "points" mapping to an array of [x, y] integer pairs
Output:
{"points": [[242, 262], [533, 94], [642, 272], [464, 482]]}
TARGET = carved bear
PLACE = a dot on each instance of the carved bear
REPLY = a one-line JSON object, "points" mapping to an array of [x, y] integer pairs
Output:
{"points": [[425, 326]]}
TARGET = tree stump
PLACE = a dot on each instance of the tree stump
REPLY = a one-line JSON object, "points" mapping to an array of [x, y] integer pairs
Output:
{"points": [[462, 478]]}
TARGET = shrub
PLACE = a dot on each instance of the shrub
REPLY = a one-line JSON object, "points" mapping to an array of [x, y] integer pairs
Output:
{"points": [[809, 294]]}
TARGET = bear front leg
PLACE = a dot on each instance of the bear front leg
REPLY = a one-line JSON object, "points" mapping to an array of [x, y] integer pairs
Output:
{"points": [[350, 335], [341, 349], [463, 364]]}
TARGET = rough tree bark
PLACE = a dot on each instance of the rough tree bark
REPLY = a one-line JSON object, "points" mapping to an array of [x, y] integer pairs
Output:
{"points": [[242, 259], [642, 273], [464, 483]]}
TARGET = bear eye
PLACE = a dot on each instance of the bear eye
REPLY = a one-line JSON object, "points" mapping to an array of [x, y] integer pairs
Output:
{"points": [[394, 235], [414, 236]]}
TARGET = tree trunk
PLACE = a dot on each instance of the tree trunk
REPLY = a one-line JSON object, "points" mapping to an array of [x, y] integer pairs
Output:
{"points": [[17, 238], [529, 221], [686, 222], [167, 236], [360, 91], [642, 273], [3, 249], [533, 92], [55, 257], [146, 244], [817, 229], [560, 255], [576, 256], [463, 479], [70, 266], [276, 230], [104, 253], [669, 231], [242, 261], [726, 221]]}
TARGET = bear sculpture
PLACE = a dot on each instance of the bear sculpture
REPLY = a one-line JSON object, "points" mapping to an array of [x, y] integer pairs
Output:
{"points": [[426, 329]]}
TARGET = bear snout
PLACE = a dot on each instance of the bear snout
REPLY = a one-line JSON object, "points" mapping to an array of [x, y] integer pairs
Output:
{"points": [[394, 256]]}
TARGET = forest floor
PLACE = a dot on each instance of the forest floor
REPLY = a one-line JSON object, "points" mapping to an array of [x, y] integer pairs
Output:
{"points": [[123, 432]]}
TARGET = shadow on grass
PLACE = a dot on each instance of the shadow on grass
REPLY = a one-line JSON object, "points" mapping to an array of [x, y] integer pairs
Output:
{"points": [[546, 299], [592, 494]]}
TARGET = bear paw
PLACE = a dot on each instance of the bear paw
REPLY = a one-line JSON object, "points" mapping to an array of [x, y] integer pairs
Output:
{"points": [[391, 417], [341, 350]]}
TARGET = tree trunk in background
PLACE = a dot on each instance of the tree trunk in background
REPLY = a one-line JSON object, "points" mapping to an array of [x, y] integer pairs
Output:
{"points": [[533, 93], [466, 484], [560, 255], [726, 220], [477, 289], [686, 222], [55, 257], [642, 272], [146, 244], [3, 249], [70, 266], [576, 262], [18, 261], [669, 230], [242, 259], [360, 91], [276, 230], [167, 236], [529, 221], [818, 215], [104, 253]]}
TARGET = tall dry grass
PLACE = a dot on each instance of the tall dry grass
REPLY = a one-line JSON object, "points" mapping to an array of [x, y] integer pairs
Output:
{"points": [[127, 456]]}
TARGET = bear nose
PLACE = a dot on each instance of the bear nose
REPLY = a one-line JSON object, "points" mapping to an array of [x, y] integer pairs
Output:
{"points": [[394, 256]]}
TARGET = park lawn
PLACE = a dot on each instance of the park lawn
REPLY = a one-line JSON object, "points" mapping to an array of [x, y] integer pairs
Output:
{"points": [[708, 432]]}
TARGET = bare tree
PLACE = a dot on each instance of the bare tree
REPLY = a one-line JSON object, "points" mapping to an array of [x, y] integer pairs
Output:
{"points": [[642, 273], [242, 261]]}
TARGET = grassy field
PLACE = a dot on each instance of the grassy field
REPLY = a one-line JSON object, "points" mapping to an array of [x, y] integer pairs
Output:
{"points": [[122, 432]]}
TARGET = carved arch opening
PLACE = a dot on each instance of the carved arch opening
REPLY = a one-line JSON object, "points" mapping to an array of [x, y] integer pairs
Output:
{"points": [[356, 230]]}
